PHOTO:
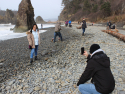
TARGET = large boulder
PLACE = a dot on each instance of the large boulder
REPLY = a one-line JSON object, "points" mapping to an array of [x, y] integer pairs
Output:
{"points": [[39, 20], [25, 16]]}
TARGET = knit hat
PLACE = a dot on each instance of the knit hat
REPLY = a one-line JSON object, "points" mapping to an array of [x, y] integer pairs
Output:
{"points": [[83, 18], [94, 47]]}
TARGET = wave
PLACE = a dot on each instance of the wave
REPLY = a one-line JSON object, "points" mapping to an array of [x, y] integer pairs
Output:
{"points": [[6, 33]]}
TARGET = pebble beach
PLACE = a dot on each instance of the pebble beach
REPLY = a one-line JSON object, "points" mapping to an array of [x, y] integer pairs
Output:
{"points": [[60, 64]]}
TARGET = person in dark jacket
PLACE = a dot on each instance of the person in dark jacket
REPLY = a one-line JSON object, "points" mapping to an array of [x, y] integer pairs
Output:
{"points": [[110, 25], [83, 26], [98, 68]]}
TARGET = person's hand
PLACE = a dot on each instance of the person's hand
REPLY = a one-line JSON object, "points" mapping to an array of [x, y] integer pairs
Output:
{"points": [[86, 53]]}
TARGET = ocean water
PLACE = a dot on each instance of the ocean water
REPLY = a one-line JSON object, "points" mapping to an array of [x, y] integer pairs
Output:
{"points": [[6, 33]]}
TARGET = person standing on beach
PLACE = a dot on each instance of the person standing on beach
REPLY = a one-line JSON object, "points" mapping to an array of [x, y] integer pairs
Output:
{"points": [[41, 26], [110, 24], [66, 23], [34, 40], [98, 68], [70, 23], [57, 31], [83, 26]]}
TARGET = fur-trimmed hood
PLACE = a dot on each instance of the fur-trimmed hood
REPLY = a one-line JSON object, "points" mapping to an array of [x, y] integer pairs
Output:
{"points": [[28, 32]]}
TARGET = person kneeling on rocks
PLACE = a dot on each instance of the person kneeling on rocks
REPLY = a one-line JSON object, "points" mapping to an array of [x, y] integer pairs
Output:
{"points": [[57, 31], [98, 68], [34, 40]]}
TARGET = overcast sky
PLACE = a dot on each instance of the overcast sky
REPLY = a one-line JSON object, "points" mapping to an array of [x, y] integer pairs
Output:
{"points": [[47, 9]]}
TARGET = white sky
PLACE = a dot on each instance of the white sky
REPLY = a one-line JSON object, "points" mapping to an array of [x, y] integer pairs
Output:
{"points": [[47, 9]]}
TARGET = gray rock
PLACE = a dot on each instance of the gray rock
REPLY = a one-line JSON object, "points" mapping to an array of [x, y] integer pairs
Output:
{"points": [[37, 88], [11, 82], [121, 92]]}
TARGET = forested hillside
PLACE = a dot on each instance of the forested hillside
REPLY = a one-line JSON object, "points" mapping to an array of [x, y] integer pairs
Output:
{"points": [[93, 10]]}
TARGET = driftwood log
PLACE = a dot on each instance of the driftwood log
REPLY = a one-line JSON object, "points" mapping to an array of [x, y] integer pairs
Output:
{"points": [[79, 27], [116, 34]]}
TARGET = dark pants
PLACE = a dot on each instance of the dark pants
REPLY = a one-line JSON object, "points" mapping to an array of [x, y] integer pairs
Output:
{"points": [[83, 31], [110, 26], [57, 34]]}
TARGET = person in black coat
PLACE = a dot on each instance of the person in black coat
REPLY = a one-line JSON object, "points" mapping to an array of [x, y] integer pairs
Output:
{"points": [[83, 26], [98, 68]]}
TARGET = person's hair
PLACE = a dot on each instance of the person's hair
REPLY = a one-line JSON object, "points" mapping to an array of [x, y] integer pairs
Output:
{"points": [[33, 26]]}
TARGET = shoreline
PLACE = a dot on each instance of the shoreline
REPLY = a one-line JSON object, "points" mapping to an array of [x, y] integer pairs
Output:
{"points": [[61, 64], [9, 34]]}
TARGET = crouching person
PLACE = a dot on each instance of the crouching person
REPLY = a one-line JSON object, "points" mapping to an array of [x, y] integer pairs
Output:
{"points": [[98, 68], [57, 31], [34, 40]]}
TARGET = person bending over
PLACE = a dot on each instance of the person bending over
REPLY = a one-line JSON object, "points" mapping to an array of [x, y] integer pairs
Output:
{"points": [[57, 31]]}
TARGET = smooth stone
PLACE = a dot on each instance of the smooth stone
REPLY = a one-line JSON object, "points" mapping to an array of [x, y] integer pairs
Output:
{"points": [[46, 59], [8, 87], [65, 84], [120, 80], [20, 77], [57, 81], [1, 74], [121, 92], [69, 72], [2, 60], [75, 86], [11, 82], [64, 92], [51, 80], [20, 87], [37, 88], [1, 63], [119, 88], [44, 87]]}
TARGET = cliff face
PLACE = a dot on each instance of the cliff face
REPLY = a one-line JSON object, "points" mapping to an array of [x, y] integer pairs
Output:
{"points": [[25, 16], [93, 10]]}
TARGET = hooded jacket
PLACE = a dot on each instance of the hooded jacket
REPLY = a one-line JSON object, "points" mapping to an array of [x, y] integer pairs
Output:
{"points": [[98, 68], [31, 40]]}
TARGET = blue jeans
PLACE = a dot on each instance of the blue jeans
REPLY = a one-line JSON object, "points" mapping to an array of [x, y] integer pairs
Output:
{"points": [[83, 30], [34, 50], [88, 89], [57, 34]]}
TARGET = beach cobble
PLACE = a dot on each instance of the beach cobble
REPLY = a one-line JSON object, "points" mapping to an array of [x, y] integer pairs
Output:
{"points": [[59, 69]]}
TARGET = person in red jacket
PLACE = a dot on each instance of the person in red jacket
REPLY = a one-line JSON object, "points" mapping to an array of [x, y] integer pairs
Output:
{"points": [[98, 68]]}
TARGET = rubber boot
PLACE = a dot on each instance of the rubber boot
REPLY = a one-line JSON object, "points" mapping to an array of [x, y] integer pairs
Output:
{"points": [[36, 58], [31, 61], [82, 34]]}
